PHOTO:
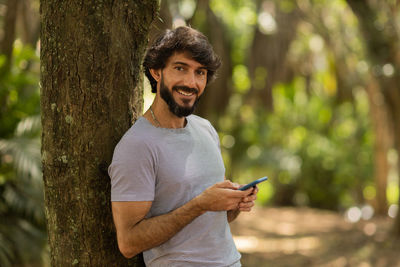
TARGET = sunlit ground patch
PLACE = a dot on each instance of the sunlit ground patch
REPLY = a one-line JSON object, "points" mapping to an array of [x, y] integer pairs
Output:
{"points": [[252, 244]]}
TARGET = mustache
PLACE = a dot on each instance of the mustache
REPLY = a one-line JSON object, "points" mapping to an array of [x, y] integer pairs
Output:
{"points": [[186, 89]]}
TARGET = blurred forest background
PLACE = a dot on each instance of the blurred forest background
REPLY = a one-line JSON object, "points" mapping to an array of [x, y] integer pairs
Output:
{"points": [[308, 94]]}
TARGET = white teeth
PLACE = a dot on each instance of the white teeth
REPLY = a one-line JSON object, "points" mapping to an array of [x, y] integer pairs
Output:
{"points": [[184, 93]]}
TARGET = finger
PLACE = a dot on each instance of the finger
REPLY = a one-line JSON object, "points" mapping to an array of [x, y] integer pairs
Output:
{"points": [[227, 184], [253, 194], [252, 197], [249, 198], [246, 209], [237, 194], [254, 190], [237, 186], [245, 205], [248, 191]]}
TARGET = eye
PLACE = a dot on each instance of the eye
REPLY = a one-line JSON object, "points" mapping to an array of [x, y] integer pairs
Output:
{"points": [[179, 68], [201, 72]]}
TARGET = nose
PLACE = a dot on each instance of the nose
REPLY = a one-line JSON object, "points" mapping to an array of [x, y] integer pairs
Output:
{"points": [[190, 80]]}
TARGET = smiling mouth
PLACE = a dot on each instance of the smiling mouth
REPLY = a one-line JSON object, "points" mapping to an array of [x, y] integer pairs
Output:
{"points": [[185, 91]]}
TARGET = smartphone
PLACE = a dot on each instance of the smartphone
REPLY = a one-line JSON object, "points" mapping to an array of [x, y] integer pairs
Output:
{"points": [[247, 186]]}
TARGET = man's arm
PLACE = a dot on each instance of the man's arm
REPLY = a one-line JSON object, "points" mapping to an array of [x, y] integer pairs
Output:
{"points": [[136, 234], [232, 215]]}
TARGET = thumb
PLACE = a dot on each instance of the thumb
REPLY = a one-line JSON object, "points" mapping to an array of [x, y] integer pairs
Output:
{"points": [[228, 184]]}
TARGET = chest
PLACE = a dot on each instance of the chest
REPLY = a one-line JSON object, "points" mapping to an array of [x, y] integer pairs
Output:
{"points": [[185, 168]]}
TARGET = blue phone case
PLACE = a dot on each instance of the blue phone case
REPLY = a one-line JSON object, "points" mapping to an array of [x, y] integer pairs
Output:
{"points": [[247, 186]]}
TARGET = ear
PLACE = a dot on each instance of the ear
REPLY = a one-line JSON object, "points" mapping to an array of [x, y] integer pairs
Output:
{"points": [[156, 74]]}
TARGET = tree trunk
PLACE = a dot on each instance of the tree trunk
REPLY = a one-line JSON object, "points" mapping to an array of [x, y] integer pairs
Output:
{"points": [[378, 114], [382, 46], [6, 47], [9, 34], [29, 23], [267, 62], [216, 97], [382, 143], [162, 22], [340, 49], [91, 53]]}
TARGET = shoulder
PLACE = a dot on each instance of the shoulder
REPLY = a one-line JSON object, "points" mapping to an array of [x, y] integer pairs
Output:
{"points": [[199, 121], [205, 125], [137, 139]]}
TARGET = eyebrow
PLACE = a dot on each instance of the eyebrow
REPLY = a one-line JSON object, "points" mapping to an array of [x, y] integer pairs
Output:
{"points": [[185, 64]]}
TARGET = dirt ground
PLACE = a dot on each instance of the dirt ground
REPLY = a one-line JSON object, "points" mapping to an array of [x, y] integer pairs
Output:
{"points": [[308, 237]]}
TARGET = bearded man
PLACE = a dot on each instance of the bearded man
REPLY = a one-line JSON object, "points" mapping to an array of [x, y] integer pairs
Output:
{"points": [[170, 198]]}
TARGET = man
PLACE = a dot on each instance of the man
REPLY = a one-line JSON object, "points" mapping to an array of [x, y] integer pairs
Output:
{"points": [[169, 196]]}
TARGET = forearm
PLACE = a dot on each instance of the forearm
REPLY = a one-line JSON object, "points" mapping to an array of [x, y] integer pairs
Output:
{"points": [[232, 214], [152, 232]]}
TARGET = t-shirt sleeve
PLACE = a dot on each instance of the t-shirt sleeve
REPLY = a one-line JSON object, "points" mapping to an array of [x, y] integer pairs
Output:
{"points": [[214, 134], [132, 172]]}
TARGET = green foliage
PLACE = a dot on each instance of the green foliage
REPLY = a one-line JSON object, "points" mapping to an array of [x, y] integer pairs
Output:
{"points": [[315, 147], [19, 91], [325, 146], [240, 16], [315, 151], [22, 228]]}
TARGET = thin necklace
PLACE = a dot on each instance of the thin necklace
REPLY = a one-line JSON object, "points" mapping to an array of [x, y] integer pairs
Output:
{"points": [[154, 117]]}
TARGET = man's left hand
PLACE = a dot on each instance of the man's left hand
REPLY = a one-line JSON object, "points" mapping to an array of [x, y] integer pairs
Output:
{"points": [[247, 202]]}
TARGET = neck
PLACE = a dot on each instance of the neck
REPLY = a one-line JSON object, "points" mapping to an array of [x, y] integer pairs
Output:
{"points": [[164, 118]]}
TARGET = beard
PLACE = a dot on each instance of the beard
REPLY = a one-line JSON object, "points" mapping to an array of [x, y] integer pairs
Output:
{"points": [[175, 108]]}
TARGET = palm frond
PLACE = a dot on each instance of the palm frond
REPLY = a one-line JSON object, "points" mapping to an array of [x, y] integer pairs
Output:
{"points": [[25, 201], [23, 149], [30, 241], [6, 254], [22, 231], [28, 126]]}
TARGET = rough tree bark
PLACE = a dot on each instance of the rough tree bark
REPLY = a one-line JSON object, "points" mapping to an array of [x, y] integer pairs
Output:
{"points": [[91, 54], [382, 45]]}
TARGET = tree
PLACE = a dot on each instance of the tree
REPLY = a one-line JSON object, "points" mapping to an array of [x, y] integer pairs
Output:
{"points": [[269, 49], [215, 101], [382, 45], [91, 53], [341, 48], [162, 22], [6, 45], [30, 22]]}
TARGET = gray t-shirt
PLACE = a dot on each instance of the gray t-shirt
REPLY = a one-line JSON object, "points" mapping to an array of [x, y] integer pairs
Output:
{"points": [[170, 167]]}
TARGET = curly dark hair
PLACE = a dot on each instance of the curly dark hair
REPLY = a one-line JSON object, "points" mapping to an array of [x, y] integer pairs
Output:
{"points": [[181, 39]]}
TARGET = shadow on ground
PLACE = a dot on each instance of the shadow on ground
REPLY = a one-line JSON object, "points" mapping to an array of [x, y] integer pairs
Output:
{"points": [[309, 237]]}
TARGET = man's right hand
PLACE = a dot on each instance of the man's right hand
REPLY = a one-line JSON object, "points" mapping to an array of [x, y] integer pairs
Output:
{"points": [[221, 196]]}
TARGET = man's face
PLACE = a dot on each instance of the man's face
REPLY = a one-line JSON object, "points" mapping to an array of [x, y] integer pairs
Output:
{"points": [[182, 83]]}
